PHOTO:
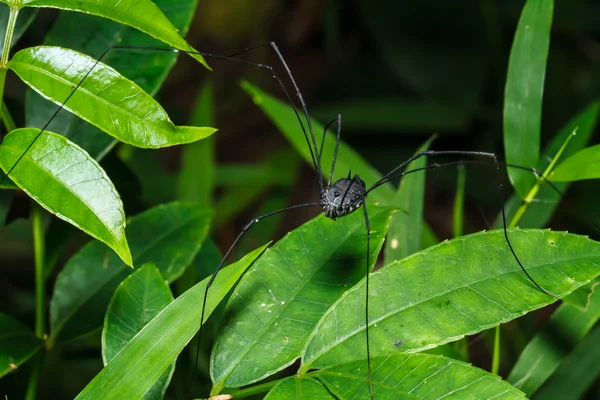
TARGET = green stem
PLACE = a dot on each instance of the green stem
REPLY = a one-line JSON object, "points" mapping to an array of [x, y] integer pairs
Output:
{"points": [[254, 390], [7, 119], [536, 188], [496, 357], [10, 30], [40, 283], [40, 294]]}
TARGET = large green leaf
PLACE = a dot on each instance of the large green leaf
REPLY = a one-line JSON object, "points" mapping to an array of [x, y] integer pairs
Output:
{"points": [[135, 368], [140, 14], [66, 181], [92, 35], [404, 235], [348, 159], [137, 300], [562, 333], [584, 164], [104, 98], [298, 388], [276, 306], [459, 287], [416, 376], [17, 344], [524, 90], [168, 235]]}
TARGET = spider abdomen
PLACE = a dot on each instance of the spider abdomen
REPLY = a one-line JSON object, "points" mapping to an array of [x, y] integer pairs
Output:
{"points": [[343, 197]]}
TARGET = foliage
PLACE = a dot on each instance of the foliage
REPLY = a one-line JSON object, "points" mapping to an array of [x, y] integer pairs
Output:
{"points": [[124, 303]]}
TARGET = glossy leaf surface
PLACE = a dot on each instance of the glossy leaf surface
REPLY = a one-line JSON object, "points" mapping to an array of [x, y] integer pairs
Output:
{"points": [[416, 376], [140, 14], [524, 90], [66, 181], [277, 304], [135, 368], [104, 98], [92, 35], [137, 300], [168, 235], [459, 287], [17, 344]]}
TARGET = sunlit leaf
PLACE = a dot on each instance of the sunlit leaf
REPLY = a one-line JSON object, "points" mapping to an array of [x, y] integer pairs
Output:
{"points": [[66, 181], [298, 388], [459, 287], [277, 304], [135, 368], [137, 300], [103, 97], [416, 376], [140, 14]]}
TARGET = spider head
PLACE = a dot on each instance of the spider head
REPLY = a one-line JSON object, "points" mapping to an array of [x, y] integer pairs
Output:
{"points": [[343, 197]]}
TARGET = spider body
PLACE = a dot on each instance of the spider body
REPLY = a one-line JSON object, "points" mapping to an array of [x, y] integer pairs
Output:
{"points": [[345, 196]]}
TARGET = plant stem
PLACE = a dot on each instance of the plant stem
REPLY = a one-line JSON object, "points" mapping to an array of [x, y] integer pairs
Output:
{"points": [[40, 293], [10, 29], [536, 188], [9, 122], [496, 357], [254, 390]]}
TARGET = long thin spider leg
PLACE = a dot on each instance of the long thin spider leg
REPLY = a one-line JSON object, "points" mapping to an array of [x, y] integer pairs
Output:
{"points": [[465, 162], [54, 115], [323, 140], [214, 275], [368, 226], [338, 120], [312, 147], [510, 246], [429, 153], [337, 145]]}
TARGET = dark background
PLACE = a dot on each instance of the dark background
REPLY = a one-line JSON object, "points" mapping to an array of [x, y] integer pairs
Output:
{"points": [[397, 71]]}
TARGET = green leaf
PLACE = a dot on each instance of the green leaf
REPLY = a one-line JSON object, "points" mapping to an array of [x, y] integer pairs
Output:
{"points": [[524, 90], [104, 98], [298, 388], [17, 344], [92, 35], [276, 306], [404, 234], [135, 368], [576, 373], [416, 376], [168, 235], [457, 288], [66, 181], [197, 176], [551, 346], [538, 213], [140, 14], [348, 159], [137, 300], [584, 164]]}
